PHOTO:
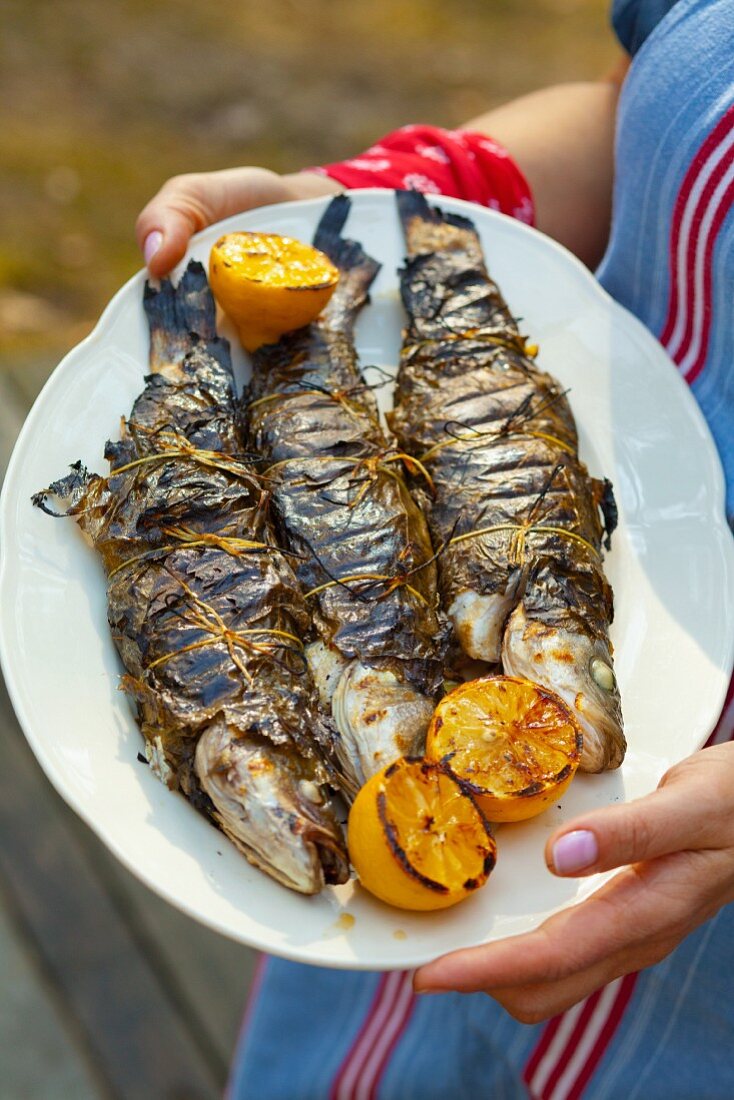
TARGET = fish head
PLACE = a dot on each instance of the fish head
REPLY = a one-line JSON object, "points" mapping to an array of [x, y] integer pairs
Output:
{"points": [[379, 718], [577, 665], [270, 802]]}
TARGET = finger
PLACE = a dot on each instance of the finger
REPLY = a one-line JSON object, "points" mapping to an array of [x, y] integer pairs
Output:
{"points": [[182, 207], [630, 917], [531, 1004], [165, 245], [187, 204], [552, 953], [686, 812], [534, 1002]]}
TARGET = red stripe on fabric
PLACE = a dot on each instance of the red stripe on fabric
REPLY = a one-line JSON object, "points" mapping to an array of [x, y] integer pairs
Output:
{"points": [[606, 1035], [573, 1040], [699, 211], [718, 728], [700, 158], [722, 210], [549, 1033], [400, 1028], [686, 273], [356, 1045], [255, 987], [365, 1073], [378, 1015]]}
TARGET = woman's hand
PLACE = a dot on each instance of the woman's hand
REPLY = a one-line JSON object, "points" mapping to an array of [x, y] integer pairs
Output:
{"points": [[186, 204], [677, 849]]}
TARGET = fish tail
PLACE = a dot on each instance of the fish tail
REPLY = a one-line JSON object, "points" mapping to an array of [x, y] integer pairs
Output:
{"points": [[357, 269], [428, 229], [180, 317], [344, 253], [413, 204], [332, 221]]}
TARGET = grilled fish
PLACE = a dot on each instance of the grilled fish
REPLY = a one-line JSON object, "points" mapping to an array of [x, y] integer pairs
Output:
{"points": [[365, 559], [204, 609], [515, 511]]}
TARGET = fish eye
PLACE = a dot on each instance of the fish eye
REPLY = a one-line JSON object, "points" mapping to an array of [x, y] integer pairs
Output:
{"points": [[602, 674], [312, 792]]}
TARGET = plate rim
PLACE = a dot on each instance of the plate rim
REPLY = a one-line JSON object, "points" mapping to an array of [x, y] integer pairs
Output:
{"points": [[719, 533]]}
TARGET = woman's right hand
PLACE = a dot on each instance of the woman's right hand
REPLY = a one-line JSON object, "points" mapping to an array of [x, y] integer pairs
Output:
{"points": [[186, 204]]}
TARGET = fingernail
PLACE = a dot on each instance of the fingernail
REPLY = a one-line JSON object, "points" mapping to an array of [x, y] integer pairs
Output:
{"points": [[151, 245], [574, 851], [424, 988]]}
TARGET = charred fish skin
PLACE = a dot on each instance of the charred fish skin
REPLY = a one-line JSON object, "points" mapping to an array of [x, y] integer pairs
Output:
{"points": [[365, 558], [204, 609], [515, 509]]}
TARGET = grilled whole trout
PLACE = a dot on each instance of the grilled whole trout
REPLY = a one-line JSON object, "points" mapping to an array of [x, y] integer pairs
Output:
{"points": [[204, 609], [518, 517], [365, 559]]}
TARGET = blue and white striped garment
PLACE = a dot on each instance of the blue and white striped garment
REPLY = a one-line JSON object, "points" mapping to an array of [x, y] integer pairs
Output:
{"points": [[668, 1032], [671, 254], [664, 1034]]}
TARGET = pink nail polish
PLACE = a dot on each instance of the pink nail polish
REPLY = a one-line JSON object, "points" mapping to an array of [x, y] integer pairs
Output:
{"points": [[152, 243], [574, 851]]}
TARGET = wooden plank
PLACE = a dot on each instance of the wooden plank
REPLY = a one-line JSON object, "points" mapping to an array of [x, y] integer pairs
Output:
{"points": [[210, 974], [134, 1033], [210, 989], [39, 1058]]}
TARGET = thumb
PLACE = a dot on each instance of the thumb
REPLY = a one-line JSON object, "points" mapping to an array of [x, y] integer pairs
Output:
{"points": [[684, 813]]}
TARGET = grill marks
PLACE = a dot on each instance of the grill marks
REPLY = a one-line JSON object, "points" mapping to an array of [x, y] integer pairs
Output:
{"points": [[492, 429], [338, 484], [205, 611], [515, 507]]}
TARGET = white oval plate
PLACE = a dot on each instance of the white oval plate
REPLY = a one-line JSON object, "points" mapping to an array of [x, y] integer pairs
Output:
{"points": [[671, 564]]}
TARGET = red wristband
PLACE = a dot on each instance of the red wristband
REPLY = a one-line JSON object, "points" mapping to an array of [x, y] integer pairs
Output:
{"points": [[460, 163]]}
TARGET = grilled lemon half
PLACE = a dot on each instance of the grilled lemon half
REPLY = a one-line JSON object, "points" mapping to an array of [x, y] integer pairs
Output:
{"points": [[514, 744], [268, 284], [416, 839]]}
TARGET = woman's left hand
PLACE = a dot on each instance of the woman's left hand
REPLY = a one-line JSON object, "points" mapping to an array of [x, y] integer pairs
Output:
{"points": [[677, 849]]}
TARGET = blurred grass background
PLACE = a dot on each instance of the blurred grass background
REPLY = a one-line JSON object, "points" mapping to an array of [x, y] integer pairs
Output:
{"points": [[100, 103]]}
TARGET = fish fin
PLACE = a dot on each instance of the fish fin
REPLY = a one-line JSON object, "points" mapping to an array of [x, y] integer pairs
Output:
{"points": [[357, 269], [604, 499], [70, 491], [429, 230], [460, 222]]}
